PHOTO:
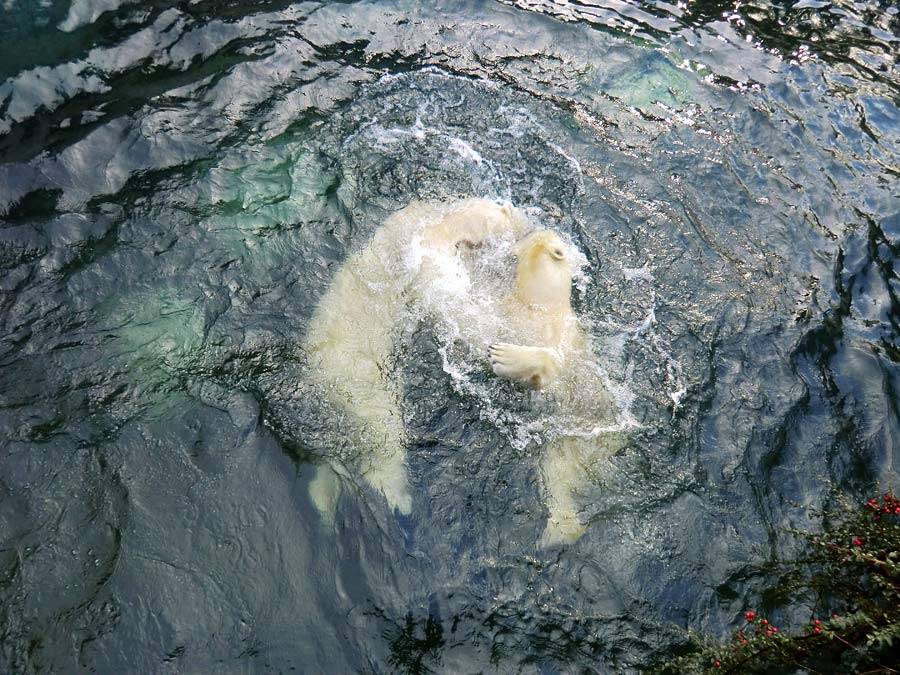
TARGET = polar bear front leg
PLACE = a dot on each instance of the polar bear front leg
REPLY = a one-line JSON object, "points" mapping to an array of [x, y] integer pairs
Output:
{"points": [[529, 365]]}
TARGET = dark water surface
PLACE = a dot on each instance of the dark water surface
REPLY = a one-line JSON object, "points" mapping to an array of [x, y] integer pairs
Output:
{"points": [[179, 182]]}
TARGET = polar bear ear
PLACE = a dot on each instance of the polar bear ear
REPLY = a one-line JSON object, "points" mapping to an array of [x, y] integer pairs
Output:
{"points": [[506, 209], [558, 252]]}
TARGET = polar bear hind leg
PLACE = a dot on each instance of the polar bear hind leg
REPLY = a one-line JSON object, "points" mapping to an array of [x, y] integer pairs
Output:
{"points": [[562, 472], [384, 435], [324, 491], [389, 476], [568, 465]]}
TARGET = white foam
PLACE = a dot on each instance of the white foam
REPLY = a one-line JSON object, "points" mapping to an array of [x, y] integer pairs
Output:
{"points": [[674, 379], [434, 72], [465, 150], [638, 273], [85, 12], [573, 162], [381, 137]]}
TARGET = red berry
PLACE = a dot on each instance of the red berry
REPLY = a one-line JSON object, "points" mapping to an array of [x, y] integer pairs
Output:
{"points": [[817, 629], [834, 616], [743, 642], [857, 542], [750, 616], [718, 664], [765, 622], [774, 630], [817, 622]]}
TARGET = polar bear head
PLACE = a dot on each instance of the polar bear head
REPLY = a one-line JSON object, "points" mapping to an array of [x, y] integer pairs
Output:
{"points": [[544, 270]]}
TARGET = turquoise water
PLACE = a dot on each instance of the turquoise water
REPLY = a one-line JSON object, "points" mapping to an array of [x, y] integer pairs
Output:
{"points": [[180, 182]]}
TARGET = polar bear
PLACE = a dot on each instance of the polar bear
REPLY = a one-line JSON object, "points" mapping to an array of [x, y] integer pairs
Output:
{"points": [[541, 305], [355, 327], [353, 331], [554, 355]]}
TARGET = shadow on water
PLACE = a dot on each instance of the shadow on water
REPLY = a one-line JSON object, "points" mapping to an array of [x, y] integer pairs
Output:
{"points": [[179, 182]]}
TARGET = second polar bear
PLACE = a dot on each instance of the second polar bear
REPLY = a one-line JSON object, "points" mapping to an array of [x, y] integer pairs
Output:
{"points": [[552, 353]]}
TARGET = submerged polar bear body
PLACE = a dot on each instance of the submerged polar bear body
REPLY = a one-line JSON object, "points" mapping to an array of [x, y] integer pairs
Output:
{"points": [[358, 321], [352, 334]]}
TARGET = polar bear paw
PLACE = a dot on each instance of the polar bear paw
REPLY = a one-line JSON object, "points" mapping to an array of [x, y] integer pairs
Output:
{"points": [[390, 480], [529, 365], [562, 528]]}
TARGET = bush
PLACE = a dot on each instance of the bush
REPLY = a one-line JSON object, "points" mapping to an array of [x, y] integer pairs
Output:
{"points": [[852, 567]]}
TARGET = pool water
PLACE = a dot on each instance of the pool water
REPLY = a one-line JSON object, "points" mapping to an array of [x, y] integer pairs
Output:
{"points": [[180, 181]]}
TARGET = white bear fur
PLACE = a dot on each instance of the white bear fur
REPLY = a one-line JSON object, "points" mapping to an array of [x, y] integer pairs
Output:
{"points": [[353, 332], [554, 355]]}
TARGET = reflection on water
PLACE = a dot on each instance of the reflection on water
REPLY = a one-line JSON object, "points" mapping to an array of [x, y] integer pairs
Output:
{"points": [[179, 184]]}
